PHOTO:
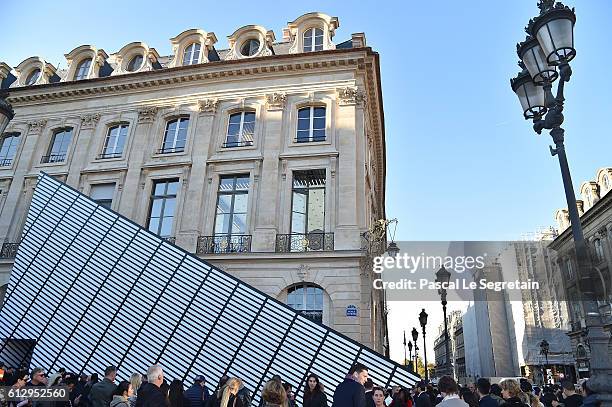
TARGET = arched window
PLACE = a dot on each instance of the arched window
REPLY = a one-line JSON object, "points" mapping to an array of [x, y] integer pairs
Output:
{"points": [[8, 148], [135, 63], [59, 146], [240, 129], [191, 55], [175, 135], [311, 124], [33, 77], [308, 300], [250, 47], [115, 141], [82, 70], [313, 40]]}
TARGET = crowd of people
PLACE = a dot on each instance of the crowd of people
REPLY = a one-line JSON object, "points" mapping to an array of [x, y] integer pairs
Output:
{"points": [[356, 390]]}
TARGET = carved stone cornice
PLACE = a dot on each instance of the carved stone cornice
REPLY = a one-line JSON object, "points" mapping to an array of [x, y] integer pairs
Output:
{"points": [[208, 105], [350, 96], [147, 114], [89, 121], [276, 101], [36, 126]]}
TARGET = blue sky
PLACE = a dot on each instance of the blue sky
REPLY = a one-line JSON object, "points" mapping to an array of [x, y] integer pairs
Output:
{"points": [[462, 164]]}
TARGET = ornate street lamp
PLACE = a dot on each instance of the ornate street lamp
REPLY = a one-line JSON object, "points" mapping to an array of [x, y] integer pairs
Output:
{"points": [[393, 250], [6, 111], [544, 348], [423, 322], [550, 47], [443, 277], [410, 350], [415, 336]]}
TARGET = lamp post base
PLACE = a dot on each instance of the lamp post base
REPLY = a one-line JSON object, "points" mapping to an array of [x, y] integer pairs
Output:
{"points": [[601, 369]]}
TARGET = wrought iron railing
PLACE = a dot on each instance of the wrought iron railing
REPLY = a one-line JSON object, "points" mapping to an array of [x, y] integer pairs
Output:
{"points": [[104, 156], [244, 143], [309, 139], [53, 158], [170, 239], [224, 244], [169, 150], [9, 250], [6, 162], [304, 242]]}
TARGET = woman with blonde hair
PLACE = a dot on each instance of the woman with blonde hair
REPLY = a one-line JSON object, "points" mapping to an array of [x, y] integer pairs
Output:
{"points": [[229, 396], [274, 394], [136, 382], [512, 394]]}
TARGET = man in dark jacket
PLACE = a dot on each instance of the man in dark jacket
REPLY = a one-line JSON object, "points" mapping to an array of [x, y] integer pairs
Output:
{"points": [[150, 394], [570, 398], [102, 392], [351, 393], [422, 399], [197, 394], [483, 388]]}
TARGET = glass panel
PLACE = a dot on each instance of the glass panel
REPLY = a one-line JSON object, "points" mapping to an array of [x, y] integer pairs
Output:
{"points": [[224, 203], [83, 69], [299, 202], [102, 191], [170, 131], [298, 223], [169, 207], [160, 188], [121, 140], [319, 112], [303, 124], [318, 135], [303, 135], [33, 77], [241, 203], [222, 223], [226, 184], [235, 118], [319, 123], [233, 129], [239, 224], [172, 188], [156, 208], [242, 183], [250, 48], [154, 225], [249, 117], [304, 113], [166, 226], [316, 210], [135, 63]]}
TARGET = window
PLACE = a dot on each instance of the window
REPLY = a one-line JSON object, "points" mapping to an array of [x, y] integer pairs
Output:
{"points": [[8, 148], [568, 269], [33, 77], [308, 300], [599, 251], [311, 124], [308, 206], [135, 63], [115, 141], [313, 40], [163, 202], [191, 55], [240, 129], [606, 182], [232, 203], [59, 146], [175, 135], [82, 70], [250, 47], [103, 194]]}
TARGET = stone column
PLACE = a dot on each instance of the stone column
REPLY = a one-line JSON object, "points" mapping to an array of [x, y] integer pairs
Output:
{"points": [[193, 207], [347, 231], [264, 233], [17, 202], [79, 156], [131, 187]]}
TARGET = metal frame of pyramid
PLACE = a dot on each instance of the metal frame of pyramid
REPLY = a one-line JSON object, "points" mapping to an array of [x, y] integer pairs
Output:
{"points": [[93, 288]]}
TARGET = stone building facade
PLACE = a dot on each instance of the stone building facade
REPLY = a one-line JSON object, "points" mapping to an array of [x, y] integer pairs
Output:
{"points": [[595, 210], [266, 158]]}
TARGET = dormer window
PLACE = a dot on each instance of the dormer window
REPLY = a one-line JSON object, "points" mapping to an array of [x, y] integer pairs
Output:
{"points": [[33, 77], [250, 47], [191, 55], [135, 63], [82, 70], [313, 40]]}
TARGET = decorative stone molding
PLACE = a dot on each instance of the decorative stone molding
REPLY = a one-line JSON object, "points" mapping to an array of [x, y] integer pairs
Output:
{"points": [[208, 105], [332, 164], [250, 32], [89, 121], [74, 58], [276, 100], [188, 37], [25, 69], [147, 114], [294, 32], [303, 272], [350, 96], [36, 126]]}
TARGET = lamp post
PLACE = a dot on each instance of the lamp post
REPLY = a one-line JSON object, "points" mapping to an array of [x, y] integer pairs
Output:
{"points": [[415, 336], [410, 350], [423, 322], [443, 277], [544, 348], [6, 111], [405, 360], [545, 57]]}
